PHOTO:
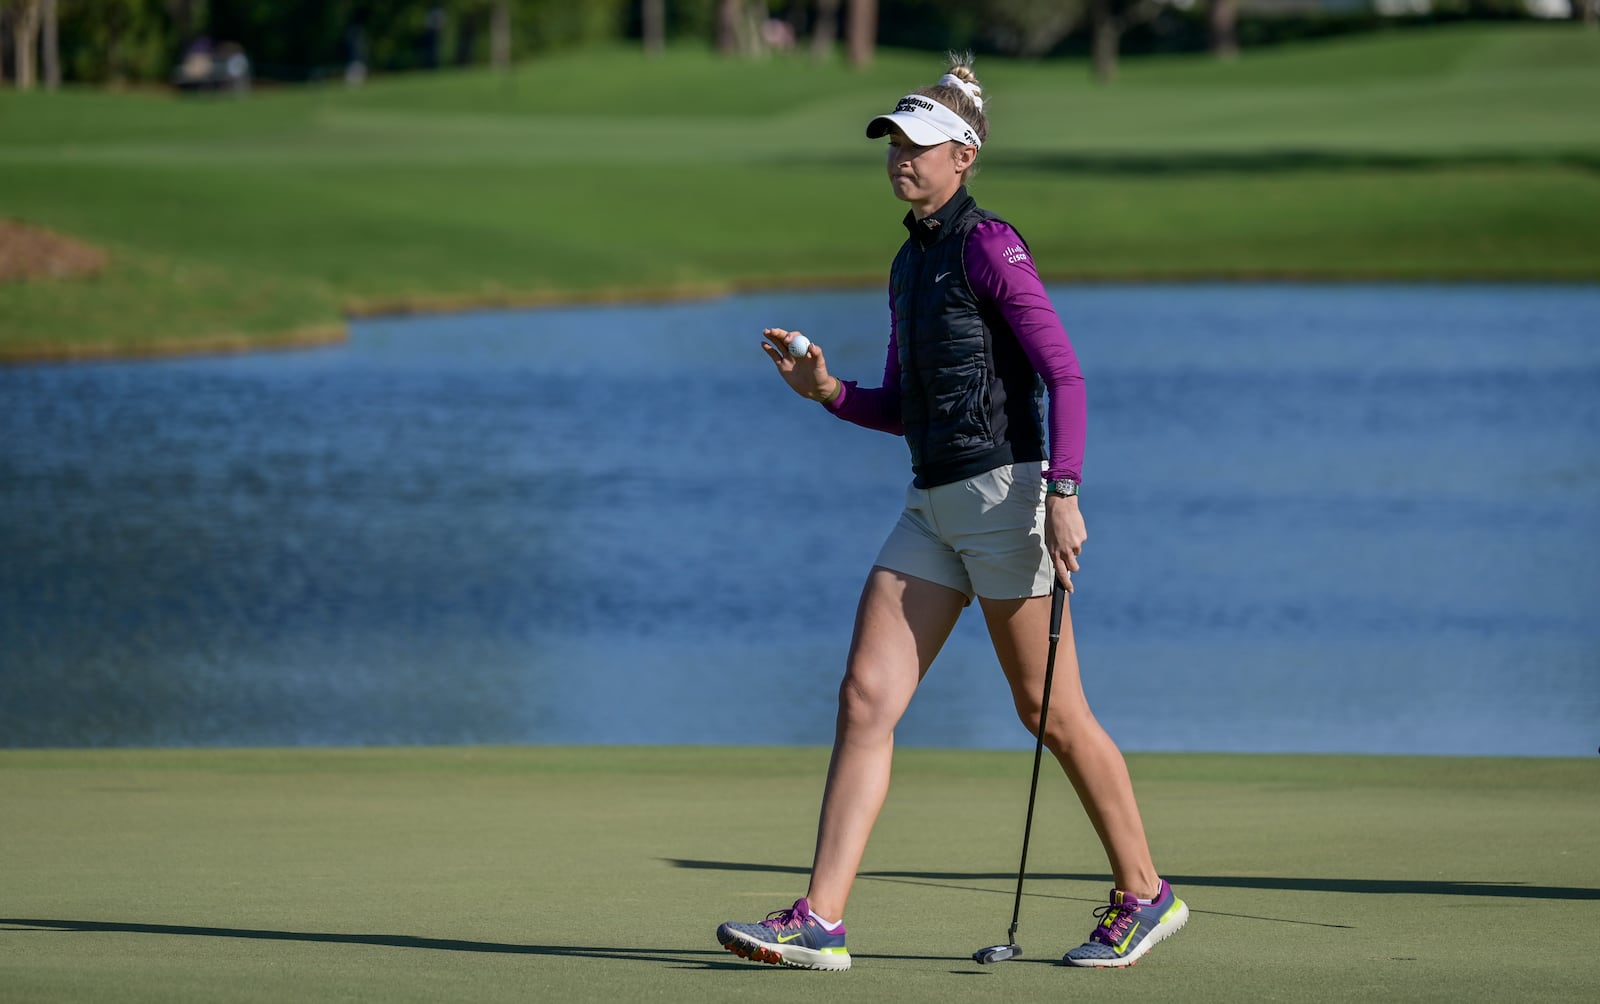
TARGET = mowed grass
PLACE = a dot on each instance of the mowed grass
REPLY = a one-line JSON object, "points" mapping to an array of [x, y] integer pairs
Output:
{"points": [[599, 874], [1465, 152]]}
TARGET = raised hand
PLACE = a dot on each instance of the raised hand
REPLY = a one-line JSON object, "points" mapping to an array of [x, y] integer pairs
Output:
{"points": [[807, 374]]}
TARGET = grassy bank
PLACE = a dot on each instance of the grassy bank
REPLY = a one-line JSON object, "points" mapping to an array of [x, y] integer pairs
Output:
{"points": [[599, 874], [1455, 153]]}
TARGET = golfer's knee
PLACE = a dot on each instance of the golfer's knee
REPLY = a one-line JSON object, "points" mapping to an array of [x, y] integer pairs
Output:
{"points": [[863, 708], [1058, 735]]}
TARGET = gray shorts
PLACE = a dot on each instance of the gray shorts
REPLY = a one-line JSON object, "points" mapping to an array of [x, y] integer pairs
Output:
{"points": [[981, 537]]}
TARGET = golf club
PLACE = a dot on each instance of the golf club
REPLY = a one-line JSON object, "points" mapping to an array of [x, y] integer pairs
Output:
{"points": [[1010, 950]]}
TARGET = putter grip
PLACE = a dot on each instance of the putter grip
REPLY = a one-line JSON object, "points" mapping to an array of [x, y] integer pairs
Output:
{"points": [[1058, 603]]}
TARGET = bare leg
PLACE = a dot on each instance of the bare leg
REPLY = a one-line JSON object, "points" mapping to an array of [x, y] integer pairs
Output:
{"points": [[1020, 630], [901, 623]]}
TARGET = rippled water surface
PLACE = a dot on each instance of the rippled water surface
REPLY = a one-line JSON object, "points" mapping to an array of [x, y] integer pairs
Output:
{"points": [[1340, 518]]}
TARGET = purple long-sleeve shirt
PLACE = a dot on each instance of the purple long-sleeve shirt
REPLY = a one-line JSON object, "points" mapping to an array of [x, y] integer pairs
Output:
{"points": [[1002, 273]]}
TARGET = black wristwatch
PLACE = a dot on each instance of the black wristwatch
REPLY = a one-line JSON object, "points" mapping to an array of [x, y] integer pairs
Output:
{"points": [[1064, 487]]}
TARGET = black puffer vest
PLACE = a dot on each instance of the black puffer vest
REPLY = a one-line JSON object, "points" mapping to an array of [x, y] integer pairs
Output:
{"points": [[969, 398]]}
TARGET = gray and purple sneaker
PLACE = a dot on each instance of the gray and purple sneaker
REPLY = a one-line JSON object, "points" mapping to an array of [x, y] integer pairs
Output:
{"points": [[1130, 927], [789, 937]]}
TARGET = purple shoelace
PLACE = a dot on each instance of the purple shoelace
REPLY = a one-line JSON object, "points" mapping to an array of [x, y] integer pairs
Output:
{"points": [[795, 916]]}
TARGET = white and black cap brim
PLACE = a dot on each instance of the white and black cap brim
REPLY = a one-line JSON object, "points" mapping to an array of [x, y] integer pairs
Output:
{"points": [[924, 122]]}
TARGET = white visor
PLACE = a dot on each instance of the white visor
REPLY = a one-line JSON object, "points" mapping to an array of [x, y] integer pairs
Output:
{"points": [[925, 122]]}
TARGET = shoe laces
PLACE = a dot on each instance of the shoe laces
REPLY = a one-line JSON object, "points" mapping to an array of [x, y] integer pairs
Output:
{"points": [[1115, 919], [794, 916]]}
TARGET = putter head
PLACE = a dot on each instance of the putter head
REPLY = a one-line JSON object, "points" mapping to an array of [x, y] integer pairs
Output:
{"points": [[995, 953]]}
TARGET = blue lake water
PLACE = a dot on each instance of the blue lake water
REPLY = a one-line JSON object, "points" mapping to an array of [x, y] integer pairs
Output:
{"points": [[1322, 518]]}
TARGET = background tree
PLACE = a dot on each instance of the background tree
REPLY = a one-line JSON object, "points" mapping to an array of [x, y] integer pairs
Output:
{"points": [[500, 35], [824, 30], [861, 32], [1029, 28], [187, 17], [739, 27], [730, 17], [1222, 28], [294, 39], [50, 42], [653, 26], [1108, 19], [25, 33]]}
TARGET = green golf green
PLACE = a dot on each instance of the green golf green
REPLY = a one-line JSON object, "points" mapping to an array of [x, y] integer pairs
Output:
{"points": [[600, 874], [1456, 153]]}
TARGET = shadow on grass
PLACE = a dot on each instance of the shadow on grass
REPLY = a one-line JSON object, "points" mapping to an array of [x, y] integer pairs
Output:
{"points": [[1379, 887], [380, 940], [707, 959]]}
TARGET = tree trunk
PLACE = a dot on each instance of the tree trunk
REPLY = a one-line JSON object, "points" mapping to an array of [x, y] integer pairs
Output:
{"points": [[653, 26], [500, 35], [730, 14], [51, 54], [824, 30], [861, 38], [25, 30], [1107, 38], [751, 41], [1222, 19]]}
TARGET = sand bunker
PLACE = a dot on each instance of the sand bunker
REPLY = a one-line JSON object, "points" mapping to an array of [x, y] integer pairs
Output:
{"points": [[30, 252]]}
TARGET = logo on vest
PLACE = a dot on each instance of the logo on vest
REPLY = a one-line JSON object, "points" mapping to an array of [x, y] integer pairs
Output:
{"points": [[1015, 253]]}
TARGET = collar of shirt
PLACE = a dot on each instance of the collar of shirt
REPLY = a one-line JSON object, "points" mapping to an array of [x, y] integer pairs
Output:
{"points": [[927, 231]]}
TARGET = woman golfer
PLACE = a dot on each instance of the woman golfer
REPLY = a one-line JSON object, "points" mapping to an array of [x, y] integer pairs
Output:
{"points": [[972, 337]]}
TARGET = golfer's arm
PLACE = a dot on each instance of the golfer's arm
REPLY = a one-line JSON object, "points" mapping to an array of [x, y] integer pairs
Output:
{"points": [[874, 407], [1015, 289]]}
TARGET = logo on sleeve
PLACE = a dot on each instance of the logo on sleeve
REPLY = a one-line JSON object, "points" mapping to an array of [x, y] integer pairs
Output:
{"points": [[1015, 253]]}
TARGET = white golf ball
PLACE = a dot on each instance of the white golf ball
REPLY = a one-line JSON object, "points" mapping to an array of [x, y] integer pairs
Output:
{"points": [[799, 345]]}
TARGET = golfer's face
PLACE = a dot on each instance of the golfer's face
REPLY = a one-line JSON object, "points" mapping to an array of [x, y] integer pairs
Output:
{"points": [[917, 173]]}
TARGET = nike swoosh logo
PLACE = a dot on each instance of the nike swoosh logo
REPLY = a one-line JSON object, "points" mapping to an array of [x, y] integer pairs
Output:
{"points": [[785, 940], [1124, 946], [940, 277]]}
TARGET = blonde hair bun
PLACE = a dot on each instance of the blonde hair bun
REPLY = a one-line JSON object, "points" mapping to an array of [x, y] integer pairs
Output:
{"points": [[966, 86], [961, 77]]}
